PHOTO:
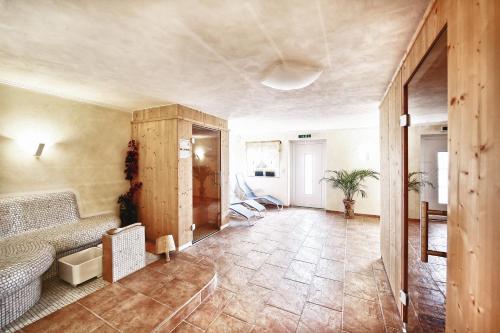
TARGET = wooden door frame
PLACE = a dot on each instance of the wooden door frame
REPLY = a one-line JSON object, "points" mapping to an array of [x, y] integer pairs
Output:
{"points": [[404, 176]]}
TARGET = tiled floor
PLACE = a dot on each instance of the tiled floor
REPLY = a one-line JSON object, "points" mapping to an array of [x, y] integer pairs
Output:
{"points": [[427, 281], [297, 270], [156, 298]]}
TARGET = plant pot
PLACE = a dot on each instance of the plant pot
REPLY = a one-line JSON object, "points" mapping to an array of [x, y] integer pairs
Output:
{"points": [[349, 209]]}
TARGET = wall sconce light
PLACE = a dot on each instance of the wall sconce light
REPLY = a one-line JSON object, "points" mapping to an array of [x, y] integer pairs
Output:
{"points": [[39, 150]]}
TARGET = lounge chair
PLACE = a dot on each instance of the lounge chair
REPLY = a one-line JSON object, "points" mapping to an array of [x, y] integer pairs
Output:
{"points": [[250, 194], [242, 211], [251, 204]]}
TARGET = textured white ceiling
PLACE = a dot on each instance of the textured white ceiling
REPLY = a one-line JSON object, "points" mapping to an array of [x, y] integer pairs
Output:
{"points": [[211, 54], [428, 88]]}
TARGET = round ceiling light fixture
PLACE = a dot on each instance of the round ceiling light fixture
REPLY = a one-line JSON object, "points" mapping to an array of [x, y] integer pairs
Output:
{"points": [[290, 75]]}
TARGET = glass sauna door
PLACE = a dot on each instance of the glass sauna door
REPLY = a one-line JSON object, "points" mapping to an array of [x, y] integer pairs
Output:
{"points": [[206, 182]]}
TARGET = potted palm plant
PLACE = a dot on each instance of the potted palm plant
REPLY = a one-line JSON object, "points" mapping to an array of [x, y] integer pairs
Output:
{"points": [[351, 183], [416, 181]]}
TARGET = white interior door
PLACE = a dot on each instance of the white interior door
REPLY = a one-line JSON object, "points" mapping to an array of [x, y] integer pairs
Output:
{"points": [[308, 169], [432, 147]]}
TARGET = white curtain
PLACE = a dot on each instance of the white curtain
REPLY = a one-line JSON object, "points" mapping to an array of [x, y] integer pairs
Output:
{"points": [[263, 156]]}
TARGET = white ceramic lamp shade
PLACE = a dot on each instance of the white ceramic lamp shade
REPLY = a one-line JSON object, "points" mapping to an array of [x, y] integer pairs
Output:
{"points": [[170, 243], [290, 75]]}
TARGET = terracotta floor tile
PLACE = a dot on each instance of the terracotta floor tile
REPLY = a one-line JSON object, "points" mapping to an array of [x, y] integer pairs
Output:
{"points": [[335, 241], [169, 267], [248, 304], [73, 318], [300, 271], [277, 321], [362, 286], [185, 256], [314, 242], [137, 314], [227, 324], [210, 309], [145, 280], [267, 246], [253, 260], [290, 296], [107, 298], [235, 278], [308, 254], [174, 293], [333, 253], [254, 292], [360, 265], [316, 319], [290, 244], [281, 258], [104, 328], [326, 292], [194, 274], [225, 262], [382, 282], [240, 248], [187, 328], [390, 311], [268, 276], [330, 269], [362, 316]]}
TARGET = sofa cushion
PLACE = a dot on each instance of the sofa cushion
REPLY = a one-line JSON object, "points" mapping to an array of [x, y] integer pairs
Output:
{"points": [[75, 235], [19, 214], [23, 260]]}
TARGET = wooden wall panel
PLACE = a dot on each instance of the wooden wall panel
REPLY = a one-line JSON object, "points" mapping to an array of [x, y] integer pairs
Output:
{"points": [[225, 188], [474, 111], [157, 199], [474, 187]]}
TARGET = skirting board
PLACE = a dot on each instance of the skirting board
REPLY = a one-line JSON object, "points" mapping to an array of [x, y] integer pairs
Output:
{"points": [[356, 214], [185, 246]]}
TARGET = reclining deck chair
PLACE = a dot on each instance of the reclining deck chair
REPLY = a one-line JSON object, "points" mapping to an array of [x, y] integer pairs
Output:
{"points": [[241, 211], [250, 194], [252, 205]]}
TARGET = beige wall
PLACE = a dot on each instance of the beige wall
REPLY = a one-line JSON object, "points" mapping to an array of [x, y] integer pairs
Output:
{"points": [[346, 149], [415, 133], [85, 149]]}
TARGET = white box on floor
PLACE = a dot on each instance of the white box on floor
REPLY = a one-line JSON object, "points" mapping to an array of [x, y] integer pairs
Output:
{"points": [[81, 266]]}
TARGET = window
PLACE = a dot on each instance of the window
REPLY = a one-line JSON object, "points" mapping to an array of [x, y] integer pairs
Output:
{"points": [[442, 158], [263, 158], [308, 174]]}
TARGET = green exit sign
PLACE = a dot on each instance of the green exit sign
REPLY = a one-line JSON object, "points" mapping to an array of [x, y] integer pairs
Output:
{"points": [[304, 136]]}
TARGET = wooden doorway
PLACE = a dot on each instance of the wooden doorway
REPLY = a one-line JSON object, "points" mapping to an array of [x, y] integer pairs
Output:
{"points": [[206, 181], [424, 125]]}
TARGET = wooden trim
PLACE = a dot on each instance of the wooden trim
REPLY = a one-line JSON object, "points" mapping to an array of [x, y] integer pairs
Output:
{"points": [[184, 246], [199, 123], [356, 214]]}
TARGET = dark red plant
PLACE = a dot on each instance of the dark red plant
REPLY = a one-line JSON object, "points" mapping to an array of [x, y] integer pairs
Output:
{"points": [[128, 207], [131, 161]]}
